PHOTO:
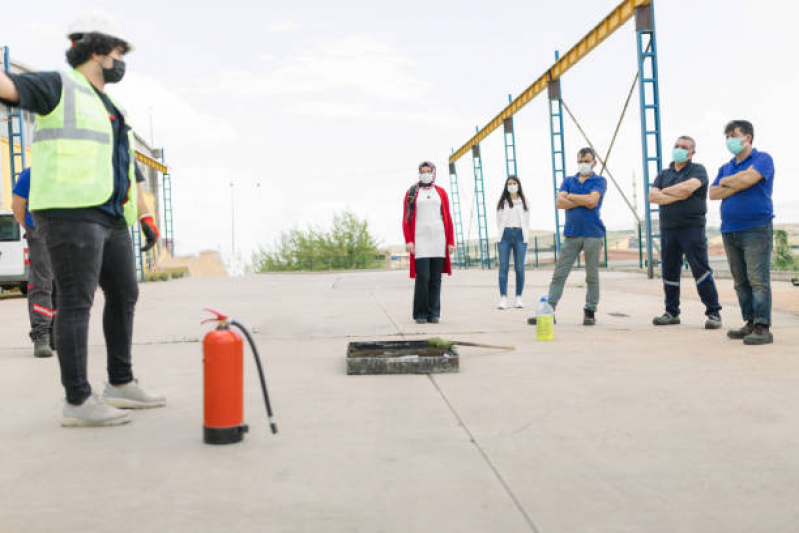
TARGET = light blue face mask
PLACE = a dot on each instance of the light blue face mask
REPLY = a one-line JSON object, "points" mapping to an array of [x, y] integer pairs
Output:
{"points": [[680, 155], [735, 145]]}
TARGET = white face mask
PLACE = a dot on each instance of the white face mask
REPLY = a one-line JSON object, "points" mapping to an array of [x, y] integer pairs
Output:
{"points": [[426, 178], [585, 168], [513, 189]]}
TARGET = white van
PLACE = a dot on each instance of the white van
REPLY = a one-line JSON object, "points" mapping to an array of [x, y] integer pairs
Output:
{"points": [[14, 260]]}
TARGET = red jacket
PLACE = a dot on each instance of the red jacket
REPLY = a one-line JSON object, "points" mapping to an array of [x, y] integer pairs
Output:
{"points": [[409, 227]]}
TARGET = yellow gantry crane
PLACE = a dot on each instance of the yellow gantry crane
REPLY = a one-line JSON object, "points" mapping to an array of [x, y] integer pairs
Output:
{"points": [[647, 79]]}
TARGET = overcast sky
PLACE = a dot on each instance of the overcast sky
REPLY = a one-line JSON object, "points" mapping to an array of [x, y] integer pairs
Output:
{"points": [[310, 108]]}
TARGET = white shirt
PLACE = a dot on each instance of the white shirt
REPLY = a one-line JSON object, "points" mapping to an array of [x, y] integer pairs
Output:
{"points": [[517, 217], [429, 240]]}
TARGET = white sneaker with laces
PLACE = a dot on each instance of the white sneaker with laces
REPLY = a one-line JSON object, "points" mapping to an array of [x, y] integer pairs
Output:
{"points": [[503, 302], [519, 302], [93, 413], [131, 396]]}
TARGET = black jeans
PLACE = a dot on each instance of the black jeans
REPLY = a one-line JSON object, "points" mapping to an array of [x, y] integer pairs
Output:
{"points": [[691, 243], [83, 255], [427, 291]]}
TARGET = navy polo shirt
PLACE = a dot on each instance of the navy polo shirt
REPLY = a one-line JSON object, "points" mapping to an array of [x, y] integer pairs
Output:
{"points": [[688, 213], [752, 207], [581, 221], [22, 189]]}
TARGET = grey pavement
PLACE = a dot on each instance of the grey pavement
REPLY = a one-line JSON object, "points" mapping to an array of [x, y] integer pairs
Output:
{"points": [[621, 427]]}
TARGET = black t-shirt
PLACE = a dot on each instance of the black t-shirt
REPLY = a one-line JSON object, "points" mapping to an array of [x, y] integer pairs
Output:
{"points": [[40, 93], [686, 213]]}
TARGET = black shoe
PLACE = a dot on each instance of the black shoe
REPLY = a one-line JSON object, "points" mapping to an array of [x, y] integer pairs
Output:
{"points": [[666, 319], [760, 335], [41, 347], [740, 333], [588, 317], [420, 320], [433, 320]]}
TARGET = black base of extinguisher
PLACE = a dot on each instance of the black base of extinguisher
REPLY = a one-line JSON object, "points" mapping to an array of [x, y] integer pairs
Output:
{"points": [[224, 435]]}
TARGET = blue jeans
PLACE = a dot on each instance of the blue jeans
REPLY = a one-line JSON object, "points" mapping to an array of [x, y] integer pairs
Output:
{"points": [[691, 243], [512, 239], [749, 256]]}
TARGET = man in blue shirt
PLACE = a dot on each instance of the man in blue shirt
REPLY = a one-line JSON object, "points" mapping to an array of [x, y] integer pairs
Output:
{"points": [[40, 281], [581, 197], [744, 185], [681, 192]]}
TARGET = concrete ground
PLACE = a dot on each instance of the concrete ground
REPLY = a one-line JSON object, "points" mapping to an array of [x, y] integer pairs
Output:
{"points": [[616, 428]]}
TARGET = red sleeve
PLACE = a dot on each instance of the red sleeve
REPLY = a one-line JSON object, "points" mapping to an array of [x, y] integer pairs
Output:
{"points": [[449, 228], [406, 225]]}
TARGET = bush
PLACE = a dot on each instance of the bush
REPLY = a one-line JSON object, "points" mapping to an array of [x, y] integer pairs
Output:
{"points": [[783, 258], [347, 245]]}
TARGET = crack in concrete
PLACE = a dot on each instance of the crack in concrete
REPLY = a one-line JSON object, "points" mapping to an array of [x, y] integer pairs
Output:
{"points": [[487, 459], [385, 311]]}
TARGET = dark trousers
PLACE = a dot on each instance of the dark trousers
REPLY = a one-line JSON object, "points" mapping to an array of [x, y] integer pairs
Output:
{"points": [[83, 255], [40, 285], [692, 244], [427, 291], [749, 256]]}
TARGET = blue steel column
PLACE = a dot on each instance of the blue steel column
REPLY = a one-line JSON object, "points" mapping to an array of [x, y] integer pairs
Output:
{"points": [[558, 149], [649, 93], [135, 237], [457, 220], [16, 130], [510, 144], [479, 197], [166, 185]]}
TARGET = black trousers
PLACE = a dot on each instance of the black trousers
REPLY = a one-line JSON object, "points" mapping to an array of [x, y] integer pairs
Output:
{"points": [[83, 255], [690, 243], [41, 294], [427, 291]]}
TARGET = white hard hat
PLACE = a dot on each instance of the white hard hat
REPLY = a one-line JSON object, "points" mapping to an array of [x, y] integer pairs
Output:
{"points": [[98, 22]]}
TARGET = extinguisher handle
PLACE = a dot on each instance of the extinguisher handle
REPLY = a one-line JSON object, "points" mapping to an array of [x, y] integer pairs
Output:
{"points": [[218, 318]]}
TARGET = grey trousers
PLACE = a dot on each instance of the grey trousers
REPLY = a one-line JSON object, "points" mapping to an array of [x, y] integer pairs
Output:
{"points": [[40, 285], [569, 251]]}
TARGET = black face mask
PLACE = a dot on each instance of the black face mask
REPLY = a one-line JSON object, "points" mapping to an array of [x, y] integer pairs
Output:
{"points": [[115, 73]]}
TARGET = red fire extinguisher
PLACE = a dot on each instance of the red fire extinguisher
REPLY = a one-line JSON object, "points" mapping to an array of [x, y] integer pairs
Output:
{"points": [[223, 377]]}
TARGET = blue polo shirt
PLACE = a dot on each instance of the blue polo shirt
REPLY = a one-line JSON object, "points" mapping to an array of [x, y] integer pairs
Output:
{"points": [[22, 189], [751, 207], [581, 221]]}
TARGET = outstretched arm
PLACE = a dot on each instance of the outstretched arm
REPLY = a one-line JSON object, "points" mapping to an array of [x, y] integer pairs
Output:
{"points": [[8, 91]]}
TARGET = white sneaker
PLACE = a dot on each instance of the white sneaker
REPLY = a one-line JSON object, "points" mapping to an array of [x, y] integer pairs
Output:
{"points": [[93, 413], [519, 302], [503, 302], [131, 396]]}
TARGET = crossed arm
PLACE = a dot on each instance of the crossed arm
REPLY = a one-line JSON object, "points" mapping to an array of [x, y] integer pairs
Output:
{"points": [[675, 193], [735, 183], [568, 200]]}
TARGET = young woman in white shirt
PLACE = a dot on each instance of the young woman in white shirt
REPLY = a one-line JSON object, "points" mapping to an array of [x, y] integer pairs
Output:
{"points": [[430, 240], [513, 225]]}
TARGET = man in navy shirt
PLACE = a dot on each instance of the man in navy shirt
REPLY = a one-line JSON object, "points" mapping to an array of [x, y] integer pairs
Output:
{"points": [[744, 186], [581, 197], [40, 282], [681, 192]]}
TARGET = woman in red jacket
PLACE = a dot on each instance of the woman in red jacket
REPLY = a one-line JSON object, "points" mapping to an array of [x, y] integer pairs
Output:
{"points": [[430, 239]]}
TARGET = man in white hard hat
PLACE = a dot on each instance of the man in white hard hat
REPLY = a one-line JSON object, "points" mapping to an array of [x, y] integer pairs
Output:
{"points": [[84, 196]]}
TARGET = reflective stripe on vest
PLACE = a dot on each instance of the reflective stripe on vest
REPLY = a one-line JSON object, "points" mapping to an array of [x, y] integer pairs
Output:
{"points": [[70, 130]]}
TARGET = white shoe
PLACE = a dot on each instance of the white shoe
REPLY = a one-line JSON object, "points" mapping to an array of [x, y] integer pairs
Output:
{"points": [[519, 302], [503, 302], [131, 396], [93, 413]]}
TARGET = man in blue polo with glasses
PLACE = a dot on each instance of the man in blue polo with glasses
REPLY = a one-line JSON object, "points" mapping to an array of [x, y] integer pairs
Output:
{"points": [[744, 185]]}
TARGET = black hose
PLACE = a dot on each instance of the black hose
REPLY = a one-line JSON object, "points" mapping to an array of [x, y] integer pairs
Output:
{"points": [[246, 333]]}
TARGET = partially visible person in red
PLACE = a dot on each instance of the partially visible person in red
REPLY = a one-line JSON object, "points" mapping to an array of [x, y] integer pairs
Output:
{"points": [[430, 239]]}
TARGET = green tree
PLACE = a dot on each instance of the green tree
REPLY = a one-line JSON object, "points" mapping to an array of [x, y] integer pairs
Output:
{"points": [[783, 255], [348, 244]]}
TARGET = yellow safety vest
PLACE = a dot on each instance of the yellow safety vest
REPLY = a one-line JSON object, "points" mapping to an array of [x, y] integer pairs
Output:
{"points": [[73, 153]]}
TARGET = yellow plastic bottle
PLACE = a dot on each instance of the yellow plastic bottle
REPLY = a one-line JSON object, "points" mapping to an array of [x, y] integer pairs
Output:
{"points": [[544, 321]]}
